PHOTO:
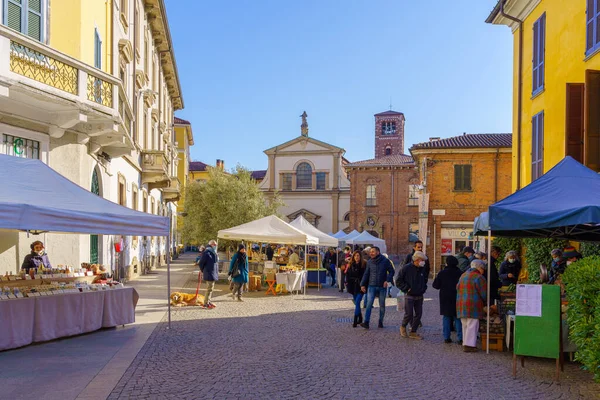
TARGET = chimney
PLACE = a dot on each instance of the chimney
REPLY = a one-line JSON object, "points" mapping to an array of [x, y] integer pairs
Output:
{"points": [[220, 164], [434, 139]]}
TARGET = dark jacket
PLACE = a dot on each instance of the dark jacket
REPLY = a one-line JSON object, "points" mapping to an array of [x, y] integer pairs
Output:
{"points": [[209, 265], [270, 253], [495, 283], [508, 268], [463, 262], [354, 276], [446, 282], [34, 260], [329, 259], [379, 270], [412, 279], [408, 260], [557, 269]]}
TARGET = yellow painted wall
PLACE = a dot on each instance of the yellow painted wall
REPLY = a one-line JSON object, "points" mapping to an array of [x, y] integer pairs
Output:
{"points": [[72, 24], [564, 63], [199, 175]]}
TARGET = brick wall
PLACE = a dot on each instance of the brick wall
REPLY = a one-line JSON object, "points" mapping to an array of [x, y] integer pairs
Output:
{"points": [[395, 142]]}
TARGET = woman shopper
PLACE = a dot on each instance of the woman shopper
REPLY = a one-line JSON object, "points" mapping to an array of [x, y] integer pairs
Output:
{"points": [[510, 268], [238, 270], [446, 282], [354, 275]]}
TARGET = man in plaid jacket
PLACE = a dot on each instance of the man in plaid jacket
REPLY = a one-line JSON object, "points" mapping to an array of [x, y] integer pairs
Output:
{"points": [[470, 300]]}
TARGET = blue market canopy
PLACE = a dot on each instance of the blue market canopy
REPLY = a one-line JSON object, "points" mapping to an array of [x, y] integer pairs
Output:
{"points": [[563, 203], [34, 197]]}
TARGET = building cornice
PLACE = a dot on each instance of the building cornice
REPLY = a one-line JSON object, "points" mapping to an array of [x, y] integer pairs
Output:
{"points": [[520, 9], [487, 150]]}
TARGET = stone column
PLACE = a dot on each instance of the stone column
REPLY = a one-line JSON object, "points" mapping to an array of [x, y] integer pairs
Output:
{"points": [[271, 172], [335, 211]]}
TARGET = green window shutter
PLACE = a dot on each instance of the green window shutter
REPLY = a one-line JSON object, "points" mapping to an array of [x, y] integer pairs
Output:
{"points": [[457, 177], [34, 19], [13, 14], [467, 177]]}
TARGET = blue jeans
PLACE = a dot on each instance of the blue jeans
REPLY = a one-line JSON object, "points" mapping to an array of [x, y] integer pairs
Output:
{"points": [[447, 325], [357, 298], [373, 291], [332, 274]]}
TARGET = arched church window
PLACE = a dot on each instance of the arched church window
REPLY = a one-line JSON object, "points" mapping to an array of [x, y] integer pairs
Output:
{"points": [[304, 176], [388, 151]]}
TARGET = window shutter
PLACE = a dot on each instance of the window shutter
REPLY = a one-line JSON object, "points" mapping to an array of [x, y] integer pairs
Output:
{"points": [[13, 14], [542, 50], [34, 19], [575, 107], [596, 20], [466, 177], [590, 24], [534, 148], [540, 149], [97, 50]]}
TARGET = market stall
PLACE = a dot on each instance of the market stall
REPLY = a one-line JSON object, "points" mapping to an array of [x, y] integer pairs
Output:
{"points": [[62, 304]]}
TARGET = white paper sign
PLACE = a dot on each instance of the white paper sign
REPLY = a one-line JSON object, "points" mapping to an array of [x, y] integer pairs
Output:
{"points": [[529, 301]]}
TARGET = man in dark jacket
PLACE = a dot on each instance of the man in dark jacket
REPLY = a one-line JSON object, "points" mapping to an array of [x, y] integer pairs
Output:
{"points": [[446, 282], [465, 257], [269, 253], [209, 265], [412, 281], [418, 246], [329, 262], [377, 277]]}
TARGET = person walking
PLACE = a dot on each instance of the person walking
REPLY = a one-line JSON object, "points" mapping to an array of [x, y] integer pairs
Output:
{"points": [[465, 257], [412, 281], [209, 265], [446, 281], [330, 261], [354, 275], [470, 300], [378, 275], [238, 270]]}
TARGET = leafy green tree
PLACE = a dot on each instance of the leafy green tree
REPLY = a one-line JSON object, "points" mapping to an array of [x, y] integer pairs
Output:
{"points": [[589, 249], [224, 201], [538, 252], [506, 244]]}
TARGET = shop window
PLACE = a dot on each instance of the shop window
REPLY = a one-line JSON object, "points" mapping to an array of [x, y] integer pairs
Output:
{"points": [[462, 178], [371, 195], [539, 43], [304, 176], [537, 146], [321, 180], [413, 195], [25, 16], [286, 181], [20, 147]]}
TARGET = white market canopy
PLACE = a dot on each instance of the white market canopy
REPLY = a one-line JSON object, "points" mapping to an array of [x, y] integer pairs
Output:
{"points": [[35, 197], [366, 238], [308, 228], [349, 236], [268, 230]]}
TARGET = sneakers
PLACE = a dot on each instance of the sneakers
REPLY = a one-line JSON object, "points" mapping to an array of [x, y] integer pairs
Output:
{"points": [[415, 335], [240, 299], [403, 331], [447, 340], [365, 325], [210, 306]]}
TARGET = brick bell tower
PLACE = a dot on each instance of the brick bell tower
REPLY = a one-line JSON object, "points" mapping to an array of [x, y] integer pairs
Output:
{"points": [[389, 133]]}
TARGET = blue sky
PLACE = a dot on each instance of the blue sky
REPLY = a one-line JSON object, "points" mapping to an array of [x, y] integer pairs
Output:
{"points": [[248, 68]]}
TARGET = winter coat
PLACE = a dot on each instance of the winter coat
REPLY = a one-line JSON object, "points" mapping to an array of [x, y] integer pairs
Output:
{"points": [[209, 265], [508, 268], [242, 266], [446, 282], [495, 283], [379, 270], [471, 295], [354, 275], [557, 269], [270, 253], [408, 260], [463, 262], [34, 260], [412, 280]]}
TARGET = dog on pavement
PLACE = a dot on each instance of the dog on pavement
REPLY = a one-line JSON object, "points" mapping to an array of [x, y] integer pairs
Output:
{"points": [[179, 299]]}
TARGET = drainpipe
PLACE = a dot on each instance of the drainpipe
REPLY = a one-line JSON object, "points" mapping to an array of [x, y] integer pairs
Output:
{"points": [[133, 83], [520, 89], [496, 175], [392, 233]]}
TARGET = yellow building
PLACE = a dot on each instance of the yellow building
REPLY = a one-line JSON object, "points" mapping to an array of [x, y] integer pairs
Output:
{"points": [[199, 170], [184, 139], [556, 88]]}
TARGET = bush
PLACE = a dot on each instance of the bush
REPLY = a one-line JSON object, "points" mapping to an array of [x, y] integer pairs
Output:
{"points": [[538, 252], [589, 249], [582, 282], [508, 243]]}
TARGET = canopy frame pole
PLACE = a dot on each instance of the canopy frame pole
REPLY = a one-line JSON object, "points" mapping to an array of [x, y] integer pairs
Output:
{"points": [[305, 267], [489, 274], [169, 275]]}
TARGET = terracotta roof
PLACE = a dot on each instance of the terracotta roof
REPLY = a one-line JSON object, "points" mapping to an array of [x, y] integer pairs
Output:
{"points": [[198, 166], [258, 175], [401, 159], [389, 112], [470, 140], [181, 121]]}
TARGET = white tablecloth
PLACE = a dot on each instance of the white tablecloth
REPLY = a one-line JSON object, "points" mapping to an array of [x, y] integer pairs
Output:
{"points": [[119, 307], [16, 322], [292, 280]]}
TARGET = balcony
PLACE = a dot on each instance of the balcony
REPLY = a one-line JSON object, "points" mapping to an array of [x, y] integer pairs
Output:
{"points": [[155, 169], [173, 191], [40, 85]]}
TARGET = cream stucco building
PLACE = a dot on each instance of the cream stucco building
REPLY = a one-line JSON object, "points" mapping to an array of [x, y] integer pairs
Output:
{"points": [[310, 177]]}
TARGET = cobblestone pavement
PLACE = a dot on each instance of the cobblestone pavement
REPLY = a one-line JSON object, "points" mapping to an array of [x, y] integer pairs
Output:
{"points": [[290, 347]]}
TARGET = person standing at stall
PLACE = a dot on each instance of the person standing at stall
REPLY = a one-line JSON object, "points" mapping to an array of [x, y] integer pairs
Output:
{"points": [[354, 274], [510, 268], [330, 261], [446, 282], [209, 265], [238, 270], [270, 252], [37, 258], [470, 301]]}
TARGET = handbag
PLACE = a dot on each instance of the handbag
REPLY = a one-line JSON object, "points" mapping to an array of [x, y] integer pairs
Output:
{"points": [[235, 271]]}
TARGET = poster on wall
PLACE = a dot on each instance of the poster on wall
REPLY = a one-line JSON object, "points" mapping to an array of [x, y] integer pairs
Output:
{"points": [[447, 247]]}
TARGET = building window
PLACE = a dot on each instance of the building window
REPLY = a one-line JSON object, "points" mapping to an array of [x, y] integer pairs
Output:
{"points": [[321, 180], [462, 177], [286, 181], [413, 195], [539, 50], [347, 217], [134, 197], [152, 205], [592, 29], [371, 195], [388, 128], [97, 50], [537, 146], [304, 176], [136, 29], [388, 151], [20, 147], [25, 16], [122, 191], [144, 202]]}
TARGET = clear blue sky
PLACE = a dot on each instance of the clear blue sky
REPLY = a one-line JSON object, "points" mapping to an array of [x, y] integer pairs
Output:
{"points": [[248, 69]]}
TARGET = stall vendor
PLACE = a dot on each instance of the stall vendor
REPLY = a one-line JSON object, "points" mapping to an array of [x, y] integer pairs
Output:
{"points": [[37, 258], [558, 266], [294, 258]]}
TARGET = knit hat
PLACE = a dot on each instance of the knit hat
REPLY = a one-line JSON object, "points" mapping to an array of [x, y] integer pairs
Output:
{"points": [[241, 247], [570, 252], [451, 261]]}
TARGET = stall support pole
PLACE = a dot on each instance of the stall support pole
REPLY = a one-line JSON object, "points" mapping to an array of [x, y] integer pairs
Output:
{"points": [[305, 267], [489, 274], [319, 265], [169, 276]]}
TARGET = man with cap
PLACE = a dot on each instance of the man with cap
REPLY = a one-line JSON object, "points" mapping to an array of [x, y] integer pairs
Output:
{"points": [[412, 281], [465, 257], [446, 282], [571, 255], [471, 298]]}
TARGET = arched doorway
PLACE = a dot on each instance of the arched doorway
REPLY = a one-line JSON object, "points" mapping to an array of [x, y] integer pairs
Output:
{"points": [[95, 188]]}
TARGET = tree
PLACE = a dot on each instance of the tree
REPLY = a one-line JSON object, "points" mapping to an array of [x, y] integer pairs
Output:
{"points": [[224, 201]]}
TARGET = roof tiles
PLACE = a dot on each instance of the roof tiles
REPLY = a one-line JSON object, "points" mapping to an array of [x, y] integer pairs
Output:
{"points": [[401, 159], [470, 140]]}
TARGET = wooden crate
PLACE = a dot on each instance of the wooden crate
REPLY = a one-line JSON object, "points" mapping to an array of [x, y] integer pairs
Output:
{"points": [[496, 342]]}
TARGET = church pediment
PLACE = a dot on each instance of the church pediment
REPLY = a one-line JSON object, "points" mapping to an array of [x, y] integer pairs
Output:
{"points": [[308, 215], [304, 144]]}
